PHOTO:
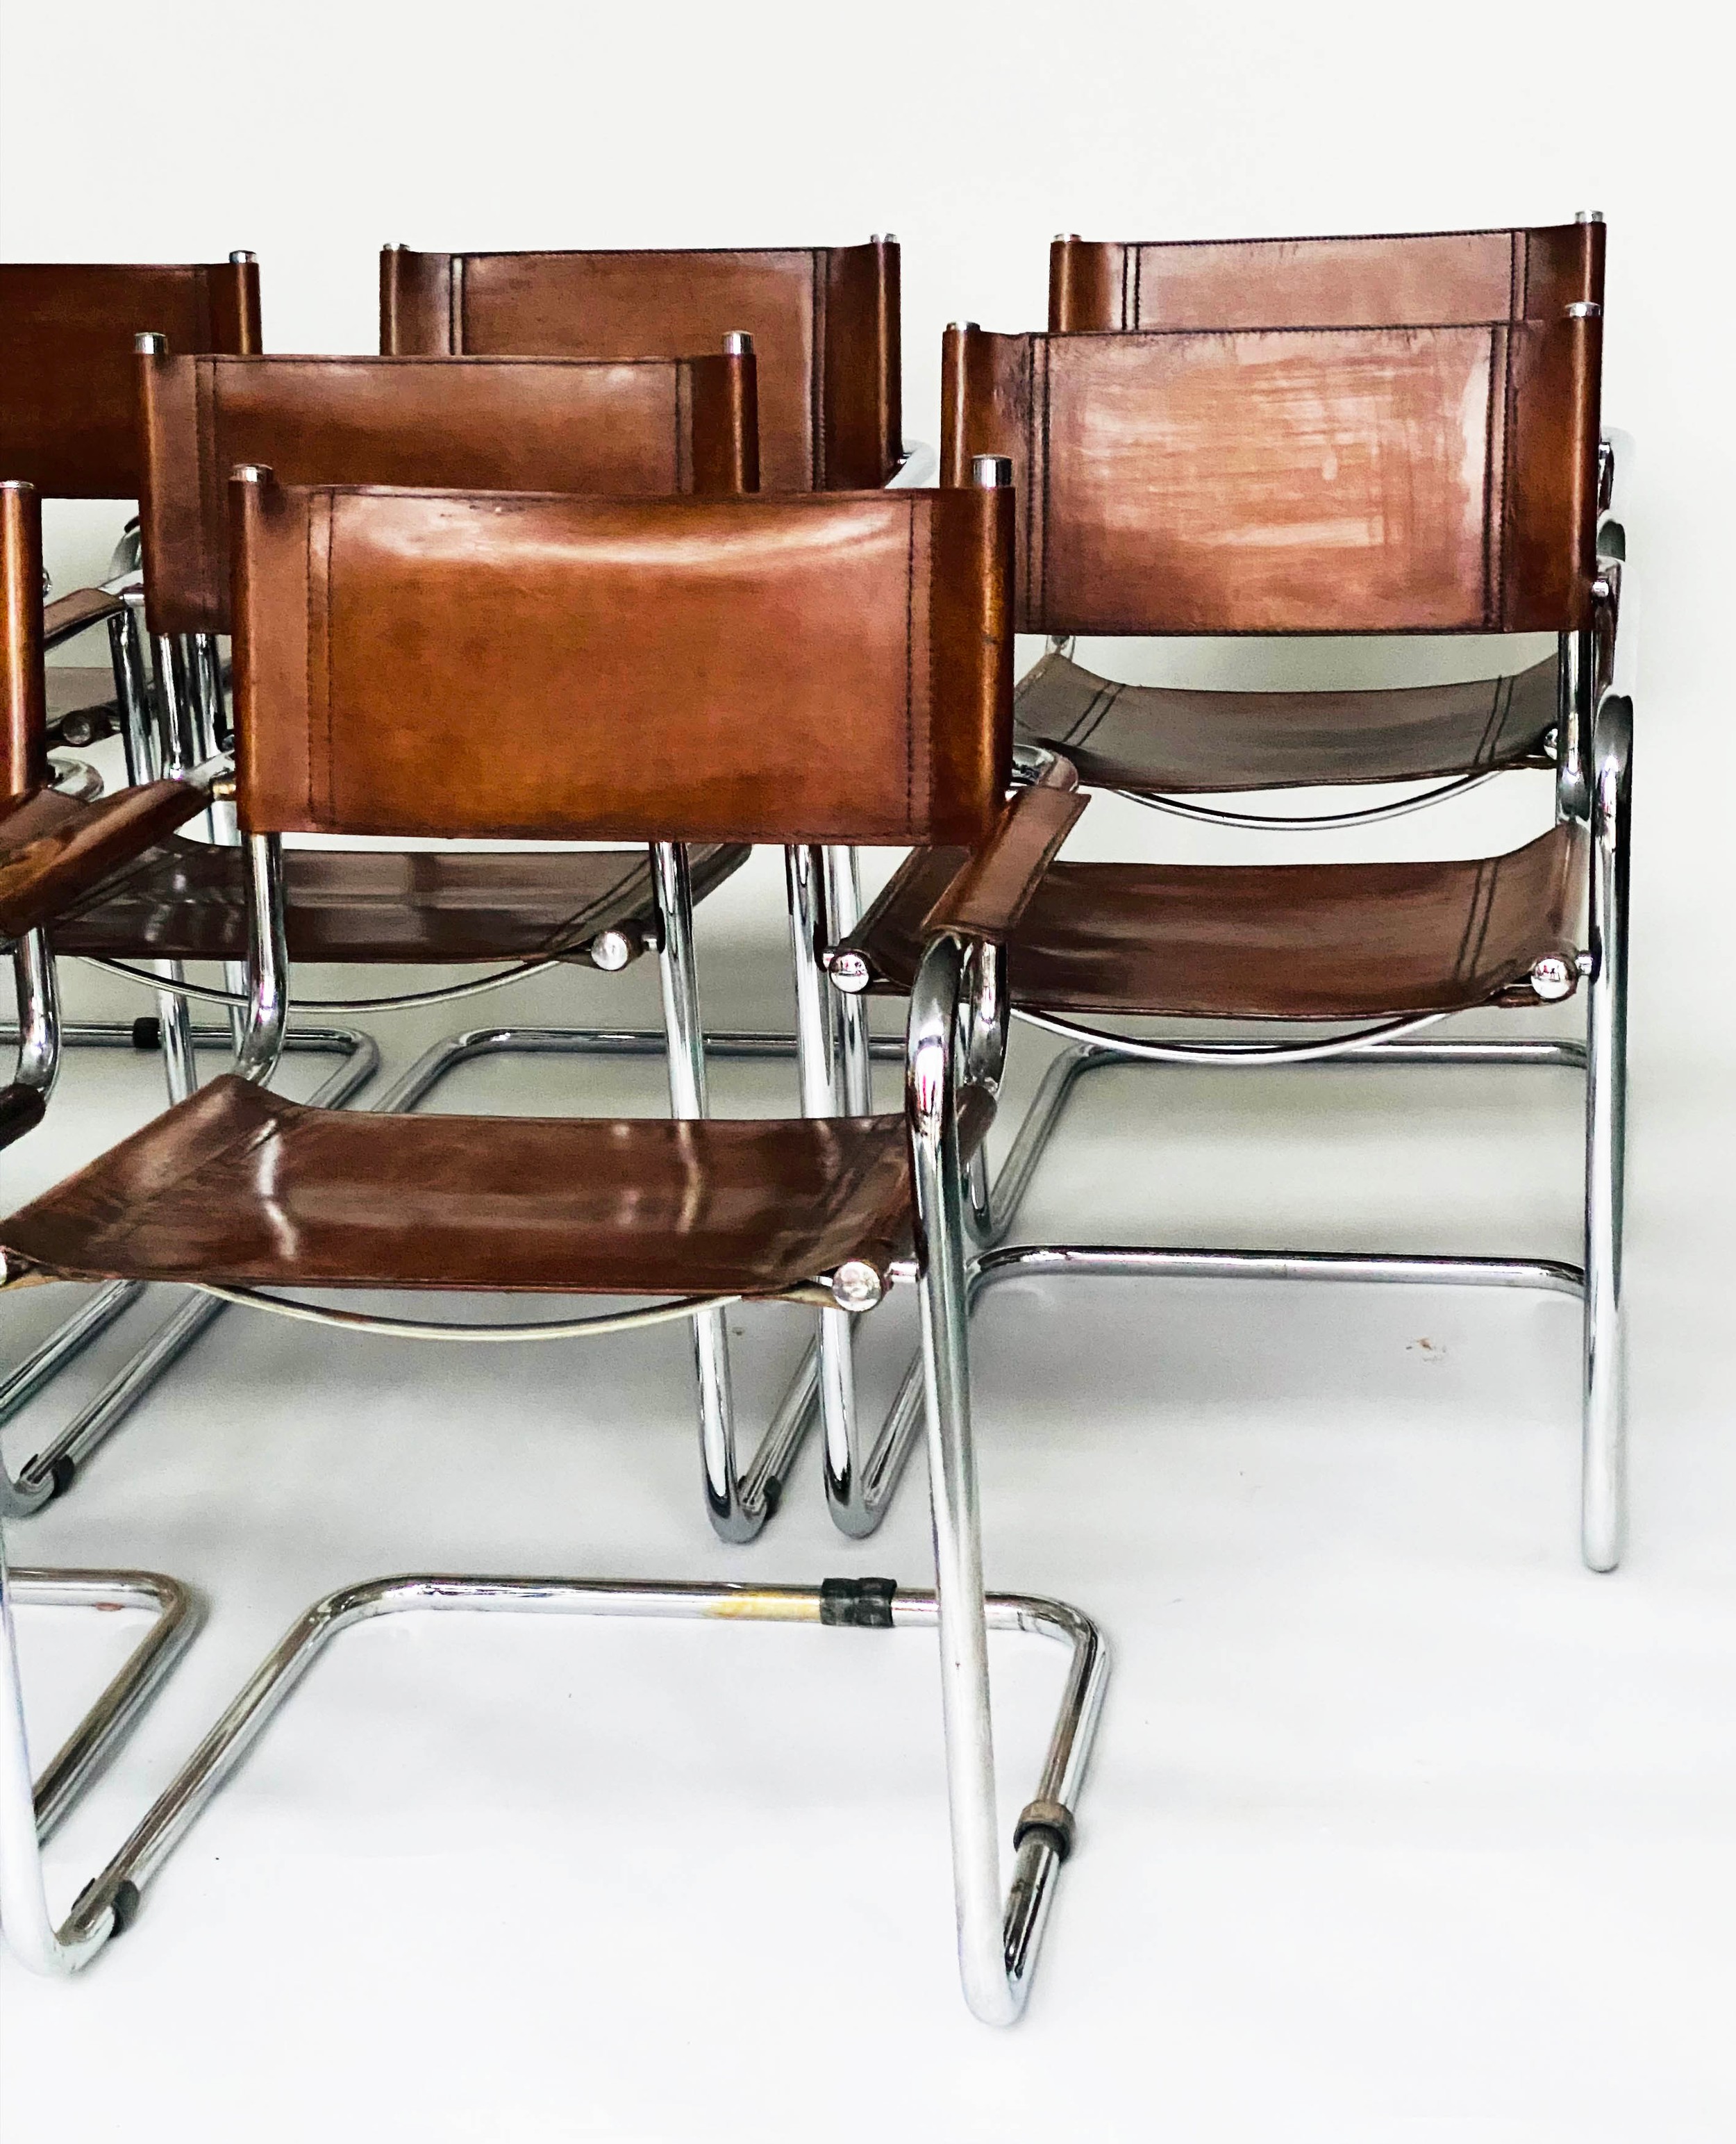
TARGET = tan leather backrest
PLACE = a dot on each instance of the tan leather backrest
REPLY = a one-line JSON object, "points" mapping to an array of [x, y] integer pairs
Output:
{"points": [[785, 667], [824, 322], [68, 395], [1426, 279], [1436, 479], [663, 424], [23, 713]]}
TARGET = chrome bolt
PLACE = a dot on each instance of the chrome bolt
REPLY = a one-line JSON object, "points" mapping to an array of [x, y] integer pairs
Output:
{"points": [[849, 972], [857, 1286], [1552, 977], [610, 951]]}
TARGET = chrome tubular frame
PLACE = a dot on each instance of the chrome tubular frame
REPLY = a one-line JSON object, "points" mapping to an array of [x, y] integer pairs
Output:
{"points": [[1604, 1459], [30, 1808], [107, 1906], [38, 1033], [997, 1940]]}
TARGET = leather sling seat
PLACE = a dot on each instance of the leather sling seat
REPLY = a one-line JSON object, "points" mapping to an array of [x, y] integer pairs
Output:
{"points": [[240, 1187], [185, 899], [1282, 941], [1177, 740]]}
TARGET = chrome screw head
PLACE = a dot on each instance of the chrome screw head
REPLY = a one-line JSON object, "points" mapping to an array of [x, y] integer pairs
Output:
{"points": [[610, 951], [857, 1286], [849, 972], [1552, 977]]}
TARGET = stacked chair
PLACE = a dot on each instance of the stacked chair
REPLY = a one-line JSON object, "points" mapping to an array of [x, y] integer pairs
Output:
{"points": [[626, 550]]}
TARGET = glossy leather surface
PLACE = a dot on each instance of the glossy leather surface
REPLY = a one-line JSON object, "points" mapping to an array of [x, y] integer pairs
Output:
{"points": [[669, 424], [781, 668], [1288, 941], [1166, 737], [24, 714], [68, 394], [996, 885], [1424, 279], [55, 850], [186, 901], [69, 615], [1344, 481], [239, 1186], [825, 321]]}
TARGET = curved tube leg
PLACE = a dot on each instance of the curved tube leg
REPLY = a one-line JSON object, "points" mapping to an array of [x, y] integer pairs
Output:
{"points": [[733, 1518], [997, 1944], [29, 1809], [1604, 1484], [860, 1604]]}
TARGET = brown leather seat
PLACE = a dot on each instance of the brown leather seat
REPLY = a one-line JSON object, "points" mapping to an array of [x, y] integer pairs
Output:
{"points": [[186, 901], [1168, 738], [1286, 941], [824, 318], [238, 1186]]}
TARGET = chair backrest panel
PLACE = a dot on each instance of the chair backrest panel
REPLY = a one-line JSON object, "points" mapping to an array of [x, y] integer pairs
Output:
{"points": [[1428, 279], [1350, 480], [664, 424], [825, 321], [68, 394], [781, 668]]}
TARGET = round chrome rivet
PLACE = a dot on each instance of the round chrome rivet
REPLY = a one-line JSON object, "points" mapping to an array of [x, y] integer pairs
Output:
{"points": [[849, 972], [610, 950], [857, 1285], [1552, 977]]}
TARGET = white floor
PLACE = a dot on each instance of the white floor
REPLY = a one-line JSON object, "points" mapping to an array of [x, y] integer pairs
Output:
{"points": [[1401, 1825]]}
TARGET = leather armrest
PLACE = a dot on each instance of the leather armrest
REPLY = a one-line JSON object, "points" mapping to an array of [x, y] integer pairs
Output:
{"points": [[992, 890], [55, 849], [68, 616]]}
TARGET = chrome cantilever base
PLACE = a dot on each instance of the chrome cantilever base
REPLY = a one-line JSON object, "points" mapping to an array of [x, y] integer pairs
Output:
{"points": [[50, 1472], [1044, 1836], [30, 1809]]}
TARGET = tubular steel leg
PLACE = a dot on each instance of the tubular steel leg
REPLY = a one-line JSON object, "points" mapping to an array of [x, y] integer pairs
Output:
{"points": [[1603, 1479], [997, 1942], [51, 1471], [732, 1515], [835, 1070], [127, 657], [30, 1808], [109, 1903]]}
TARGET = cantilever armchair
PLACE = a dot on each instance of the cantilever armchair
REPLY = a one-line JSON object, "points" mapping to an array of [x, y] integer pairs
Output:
{"points": [[657, 425], [803, 603], [1171, 748], [1319, 480]]}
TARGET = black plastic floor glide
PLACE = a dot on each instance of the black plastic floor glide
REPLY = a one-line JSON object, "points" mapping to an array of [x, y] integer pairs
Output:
{"points": [[147, 1032], [857, 1604]]}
